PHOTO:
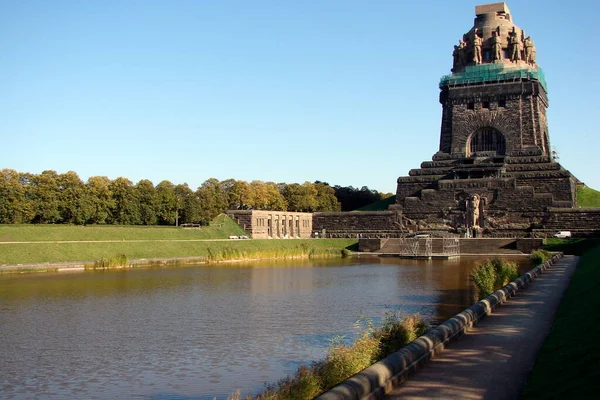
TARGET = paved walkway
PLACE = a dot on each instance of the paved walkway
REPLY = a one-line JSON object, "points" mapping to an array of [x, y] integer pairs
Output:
{"points": [[493, 360]]}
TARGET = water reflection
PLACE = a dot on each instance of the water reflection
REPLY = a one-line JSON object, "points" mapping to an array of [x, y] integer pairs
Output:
{"points": [[200, 332]]}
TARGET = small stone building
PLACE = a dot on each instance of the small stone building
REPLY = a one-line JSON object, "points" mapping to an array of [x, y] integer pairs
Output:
{"points": [[261, 224]]}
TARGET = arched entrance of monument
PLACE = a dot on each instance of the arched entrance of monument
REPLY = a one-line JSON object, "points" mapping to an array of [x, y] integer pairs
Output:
{"points": [[486, 141]]}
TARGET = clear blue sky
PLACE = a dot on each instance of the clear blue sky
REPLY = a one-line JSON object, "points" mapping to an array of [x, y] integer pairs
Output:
{"points": [[288, 91]]}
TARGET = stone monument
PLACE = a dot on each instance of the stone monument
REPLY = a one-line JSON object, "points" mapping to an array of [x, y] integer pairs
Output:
{"points": [[494, 171]]}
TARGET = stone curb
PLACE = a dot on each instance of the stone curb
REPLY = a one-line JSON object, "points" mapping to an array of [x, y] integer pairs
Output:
{"points": [[378, 379]]}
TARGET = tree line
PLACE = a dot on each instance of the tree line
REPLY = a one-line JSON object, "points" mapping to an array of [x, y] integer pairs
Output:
{"points": [[53, 198]]}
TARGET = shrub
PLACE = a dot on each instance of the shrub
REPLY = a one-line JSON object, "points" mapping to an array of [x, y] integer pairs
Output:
{"points": [[343, 361], [118, 261], [540, 256], [484, 277], [396, 332], [492, 275]]}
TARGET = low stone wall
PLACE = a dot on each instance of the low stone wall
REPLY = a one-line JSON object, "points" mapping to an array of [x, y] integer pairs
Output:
{"points": [[577, 220], [479, 246], [352, 224], [378, 379]]}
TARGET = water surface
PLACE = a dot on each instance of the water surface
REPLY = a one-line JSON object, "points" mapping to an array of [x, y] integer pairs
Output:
{"points": [[203, 331]]}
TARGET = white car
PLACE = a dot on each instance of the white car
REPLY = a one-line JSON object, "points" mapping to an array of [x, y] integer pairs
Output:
{"points": [[562, 234]]}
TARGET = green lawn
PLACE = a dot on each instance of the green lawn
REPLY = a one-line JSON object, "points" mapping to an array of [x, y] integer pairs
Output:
{"points": [[33, 253], [567, 366], [107, 241], [587, 197], [220, 228]]}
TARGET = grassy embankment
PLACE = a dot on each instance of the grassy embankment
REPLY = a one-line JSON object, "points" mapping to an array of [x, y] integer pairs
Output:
{"points": [[89, 243], [566, 366], [587, 197]]}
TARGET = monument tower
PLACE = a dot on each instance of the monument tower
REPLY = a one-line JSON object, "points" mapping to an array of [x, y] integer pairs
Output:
{"points": [[494, 172]]}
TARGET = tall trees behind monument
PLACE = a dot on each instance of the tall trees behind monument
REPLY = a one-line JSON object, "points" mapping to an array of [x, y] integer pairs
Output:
{"points": [[49, 198]]}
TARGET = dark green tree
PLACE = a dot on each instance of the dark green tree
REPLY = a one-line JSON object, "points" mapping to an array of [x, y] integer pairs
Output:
{"points": [[15, 208], [325, 198], [45, 198], [74, 205], [300, 197], [98, 193], [167, 203], [125, 209], [148, 202], [189, 205], [212, 199]]}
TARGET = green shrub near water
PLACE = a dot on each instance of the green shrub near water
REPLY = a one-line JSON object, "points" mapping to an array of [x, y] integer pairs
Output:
{"points": [[118, 261], [343, 361], [540, 256], [492, 275]]}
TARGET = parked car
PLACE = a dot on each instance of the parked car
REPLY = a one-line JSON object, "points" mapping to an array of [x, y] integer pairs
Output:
{"points": [[562, 234], [421, 236]]}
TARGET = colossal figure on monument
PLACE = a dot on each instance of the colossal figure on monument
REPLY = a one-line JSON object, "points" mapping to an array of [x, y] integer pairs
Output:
{"points": [[515, 46], [529, 51], [496, 47], [494, 141], [477, 42]]}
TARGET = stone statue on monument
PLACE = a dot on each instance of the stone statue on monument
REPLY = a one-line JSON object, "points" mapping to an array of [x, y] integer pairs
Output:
{"points": [[515, 46], [477, 42], [529, 51], [496, 47], [475, 200]]}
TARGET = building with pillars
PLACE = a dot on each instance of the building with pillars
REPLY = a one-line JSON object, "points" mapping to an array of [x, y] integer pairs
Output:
{"points": [[260, 224]]}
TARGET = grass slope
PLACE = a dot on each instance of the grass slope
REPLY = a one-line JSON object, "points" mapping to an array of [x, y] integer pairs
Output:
{"points": [[587, 197], [567, 365], [89, 243], [220, 228], [34, 253]]}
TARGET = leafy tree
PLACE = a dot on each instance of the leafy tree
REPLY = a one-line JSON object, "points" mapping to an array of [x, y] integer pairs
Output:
{"points": [[100, 197], [300, 197], [148, 202], [14, 206], [352, 198], [189, 205], [238, 194], [212, 199], [325, 198], [275, 200], [45, 198], [125, 210], [167, 203], [74, 205], [266, 196]]}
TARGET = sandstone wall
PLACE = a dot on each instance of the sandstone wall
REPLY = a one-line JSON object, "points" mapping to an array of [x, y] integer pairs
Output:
{"points": [[350, 224]]}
